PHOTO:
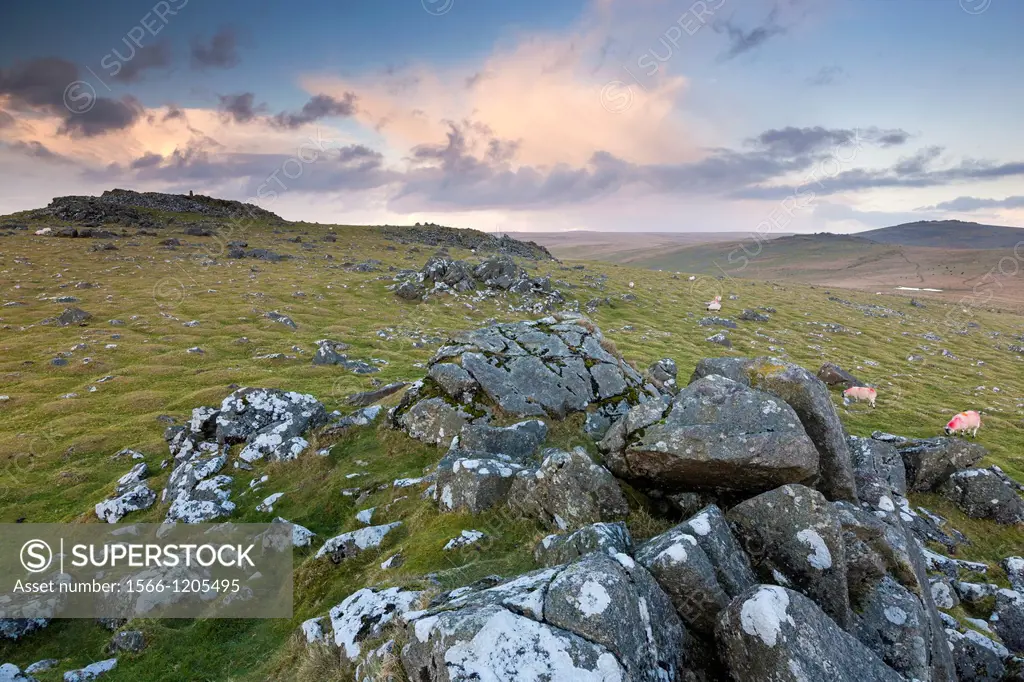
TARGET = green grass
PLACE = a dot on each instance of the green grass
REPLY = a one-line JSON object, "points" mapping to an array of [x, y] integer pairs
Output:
{"points": [[55, 454]]}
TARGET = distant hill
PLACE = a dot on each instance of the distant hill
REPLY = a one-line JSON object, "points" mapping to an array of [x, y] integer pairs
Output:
{"points": [[626, 247], [948, 234], [842, 260]]}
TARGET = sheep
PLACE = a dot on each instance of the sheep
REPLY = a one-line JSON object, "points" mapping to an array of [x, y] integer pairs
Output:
{"points": [[858, 393], [716, 304], [964, 422]]}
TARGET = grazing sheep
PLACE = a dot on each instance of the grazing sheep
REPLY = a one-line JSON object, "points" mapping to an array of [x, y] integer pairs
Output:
{"points": [[858, 393], [716, 304], [964, 422]]}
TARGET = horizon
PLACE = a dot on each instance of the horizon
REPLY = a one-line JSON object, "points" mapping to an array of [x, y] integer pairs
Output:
{"points": [[594, 115]]}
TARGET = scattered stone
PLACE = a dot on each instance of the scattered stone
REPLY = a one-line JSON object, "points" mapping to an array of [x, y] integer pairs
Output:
{"points": [[930, 461], [981, 494], [348, 545], [282, 319], [91, 672], [834, 375], [12, 673], [720, 339], [42, 666], [465, 539], [717, 322], [267, 505], [753, 316], [72, 316], [376, 395], [663, 374], [127, 641], [301, 536]]}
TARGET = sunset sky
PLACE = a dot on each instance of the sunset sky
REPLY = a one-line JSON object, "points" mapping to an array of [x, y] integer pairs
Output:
{"points": [[626, 115]]}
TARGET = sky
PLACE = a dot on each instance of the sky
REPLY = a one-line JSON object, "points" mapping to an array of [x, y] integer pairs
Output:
{"points": [[612, 115]]}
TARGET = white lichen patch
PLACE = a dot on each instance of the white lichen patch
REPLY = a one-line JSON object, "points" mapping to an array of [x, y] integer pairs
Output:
{"points": [[593, 599], [820, 558], [764, 613], [700, 524]]}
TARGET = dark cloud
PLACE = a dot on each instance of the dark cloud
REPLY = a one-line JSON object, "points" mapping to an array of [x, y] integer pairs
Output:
{"points": [[914, 171], [240, 107], [37, 150], [741, 41], [893, 138], [827, 75], [173, 113], [53, 85], [360, 157], [792, 141], [105, 115], [918, 162], [5, 119], [147, 160], [318, 107], [39, 83], [220, 52], [132, 69], [969, 204]]}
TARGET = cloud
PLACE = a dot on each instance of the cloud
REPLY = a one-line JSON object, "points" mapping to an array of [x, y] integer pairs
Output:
{"points": [[539, 93], [220, 52], [36, 150], [909, 172], [967, 204], [105, 115], [5, 119], [795, 141], [827, 75], [318, 107], [156, 56], [240, 107], [173, 112], [147, 160], [45, 84], [919, 162], [741, 41]]}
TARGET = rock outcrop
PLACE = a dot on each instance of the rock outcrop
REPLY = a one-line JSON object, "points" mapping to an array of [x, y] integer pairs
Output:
{"points": [[549, 368], [810, 399], [714, 434]]}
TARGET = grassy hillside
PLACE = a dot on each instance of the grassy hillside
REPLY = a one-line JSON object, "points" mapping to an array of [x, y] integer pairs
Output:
{"points": [[61, 424]]}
